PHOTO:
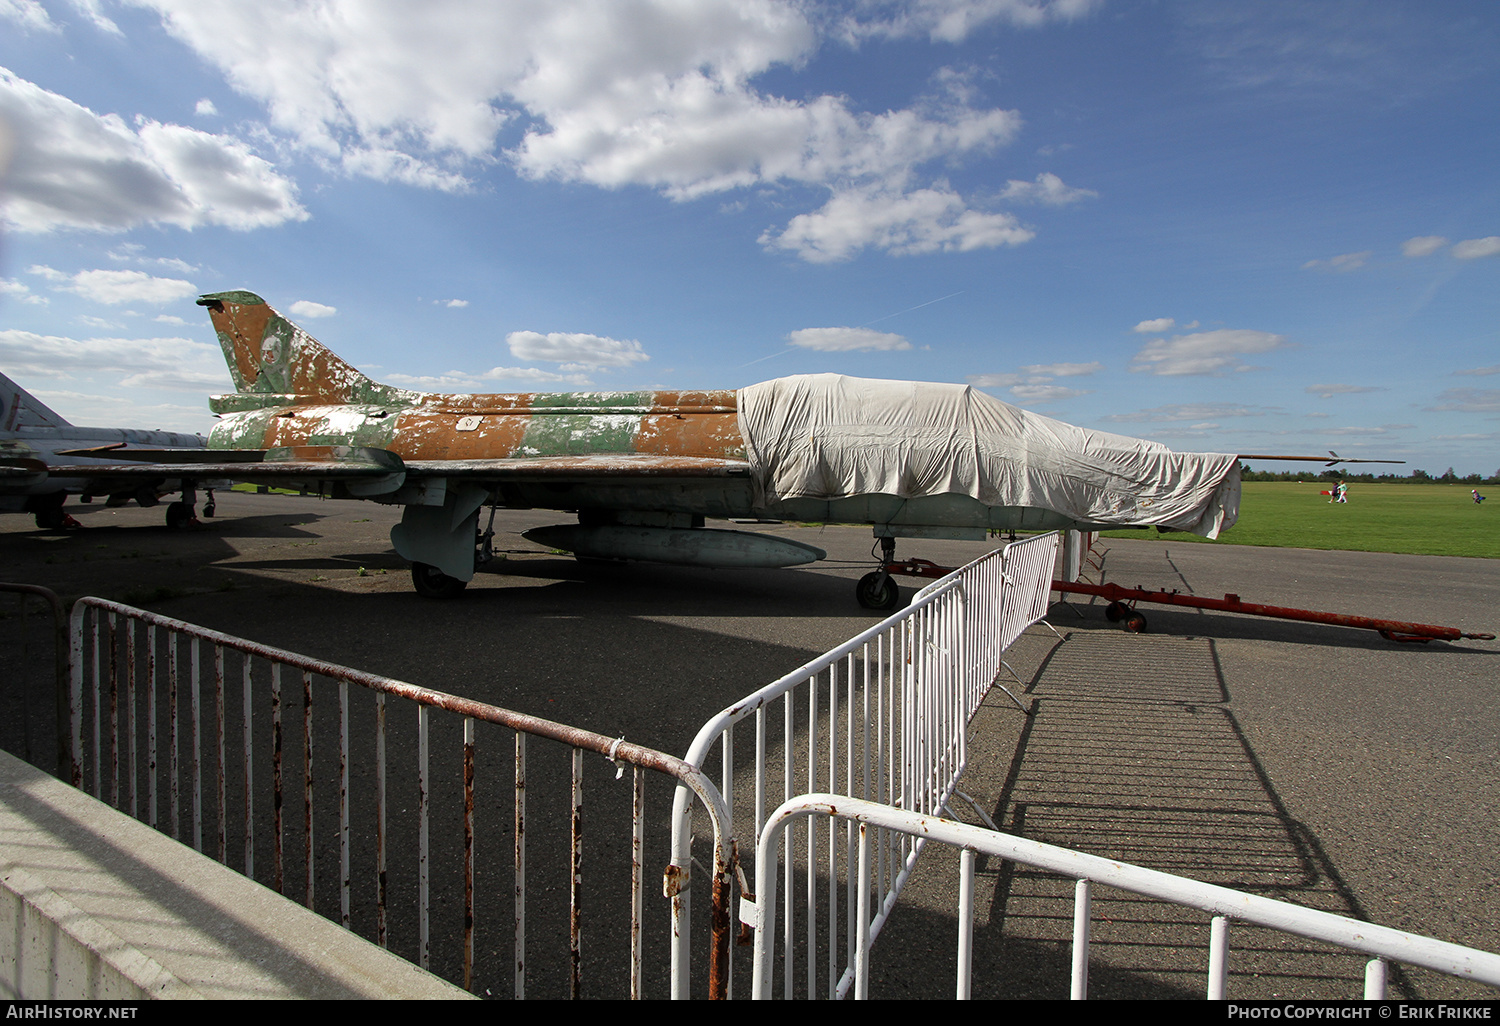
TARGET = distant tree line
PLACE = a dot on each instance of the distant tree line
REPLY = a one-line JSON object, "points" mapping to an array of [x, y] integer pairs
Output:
{"points": [[1345, 474]]}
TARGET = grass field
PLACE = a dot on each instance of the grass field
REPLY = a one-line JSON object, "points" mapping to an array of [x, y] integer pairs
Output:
{"points": [[1434, 520]]}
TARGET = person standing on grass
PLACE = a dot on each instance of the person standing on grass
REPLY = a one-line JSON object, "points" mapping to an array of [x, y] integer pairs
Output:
{"points": [[1341, 493]]}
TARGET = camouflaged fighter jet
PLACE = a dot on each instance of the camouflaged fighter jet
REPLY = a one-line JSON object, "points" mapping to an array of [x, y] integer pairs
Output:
{"points": [[644, 470]]}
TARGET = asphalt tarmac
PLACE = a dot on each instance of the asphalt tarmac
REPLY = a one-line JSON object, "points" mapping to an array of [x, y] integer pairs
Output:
{"points": [[1323, 765]]}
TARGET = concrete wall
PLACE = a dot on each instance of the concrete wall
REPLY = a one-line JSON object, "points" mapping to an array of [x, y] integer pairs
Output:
{"points": [[95, 905]]}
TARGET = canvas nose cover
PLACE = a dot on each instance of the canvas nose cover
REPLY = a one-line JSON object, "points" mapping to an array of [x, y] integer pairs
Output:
{"points": [[828, 436]]}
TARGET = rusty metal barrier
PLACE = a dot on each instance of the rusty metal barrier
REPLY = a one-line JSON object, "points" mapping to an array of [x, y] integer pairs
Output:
{"points": [[137, 695], [882, 717], [28, 719]]}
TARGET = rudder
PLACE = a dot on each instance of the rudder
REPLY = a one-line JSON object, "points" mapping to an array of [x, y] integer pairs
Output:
{"points": [[269, 355]]}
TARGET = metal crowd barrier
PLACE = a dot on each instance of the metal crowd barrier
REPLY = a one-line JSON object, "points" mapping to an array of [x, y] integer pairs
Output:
{"points": [[1222, 903], [1028, 578], [882, 717], [138, 692]]}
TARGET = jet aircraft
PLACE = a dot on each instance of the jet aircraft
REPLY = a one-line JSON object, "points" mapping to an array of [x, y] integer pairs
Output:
{"points": [[34, 438], [643, 471]]}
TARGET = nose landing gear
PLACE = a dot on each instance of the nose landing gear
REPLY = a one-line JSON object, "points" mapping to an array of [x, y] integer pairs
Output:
{"points": [[876, 589]]}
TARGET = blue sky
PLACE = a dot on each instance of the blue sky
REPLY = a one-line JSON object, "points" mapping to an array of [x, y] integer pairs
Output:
{"points": [[1230, 227]]}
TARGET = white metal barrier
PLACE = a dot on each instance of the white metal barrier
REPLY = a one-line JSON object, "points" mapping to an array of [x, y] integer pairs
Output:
{"points": [[139, 686], [882, 717], [876, 822], [1028, 579]]}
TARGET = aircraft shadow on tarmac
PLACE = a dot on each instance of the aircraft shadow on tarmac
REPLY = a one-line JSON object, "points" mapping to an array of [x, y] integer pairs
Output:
{"points": [[587, 587]]}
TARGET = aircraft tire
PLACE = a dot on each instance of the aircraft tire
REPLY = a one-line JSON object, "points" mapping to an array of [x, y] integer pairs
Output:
{"points": [[52, 519], [430, 582], [876, 590], [1135, 623], [1115, 611], [179, 514]]}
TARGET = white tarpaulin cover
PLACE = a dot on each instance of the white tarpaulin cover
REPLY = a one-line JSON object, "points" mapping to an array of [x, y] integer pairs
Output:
{"points": [[827, 436]]}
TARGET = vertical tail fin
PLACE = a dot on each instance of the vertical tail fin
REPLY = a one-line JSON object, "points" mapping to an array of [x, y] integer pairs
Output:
{"points": [[19, 408], [269, 355]]}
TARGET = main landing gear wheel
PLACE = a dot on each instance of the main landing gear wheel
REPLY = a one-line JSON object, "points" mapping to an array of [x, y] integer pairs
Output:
{"points": [[876, 590], [431, 582], [1115, 611], [179, 515], [55, 519], [1135, 622]]}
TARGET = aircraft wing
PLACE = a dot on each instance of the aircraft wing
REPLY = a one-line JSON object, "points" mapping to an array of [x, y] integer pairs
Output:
{"points": [[367, 468]]}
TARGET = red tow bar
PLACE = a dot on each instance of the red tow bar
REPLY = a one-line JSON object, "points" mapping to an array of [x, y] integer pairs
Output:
{"points": [[1122, 600], [1394, 630]]}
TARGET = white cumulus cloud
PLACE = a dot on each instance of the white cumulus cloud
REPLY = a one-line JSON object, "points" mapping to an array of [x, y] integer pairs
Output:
{"points": [[73, 168], [28, 14], [20, 292], [91, 13], [1474, 249], [171, 363], [1063, 370], [952, 21], [1035, 382], [576, 351], [1048, 189], [1205, 352], [662, 94], [994, 380], [1155, 326], [115, 287], [847, 340], [1045, 393], [535, 375], [902, 223], [307, 308], [1423, 245]]}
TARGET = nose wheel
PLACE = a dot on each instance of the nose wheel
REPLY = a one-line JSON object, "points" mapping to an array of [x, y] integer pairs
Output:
{"points": [[876, 589]]}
